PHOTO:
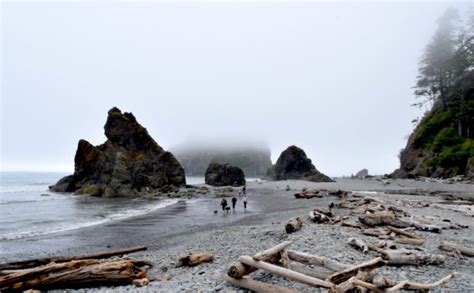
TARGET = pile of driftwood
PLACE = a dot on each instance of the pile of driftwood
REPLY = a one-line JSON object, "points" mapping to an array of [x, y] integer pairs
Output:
{"points": [[89, 270], [329, 274]]}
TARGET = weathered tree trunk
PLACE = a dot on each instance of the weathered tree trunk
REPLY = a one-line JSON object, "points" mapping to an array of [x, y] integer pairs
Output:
{"points": [[75, 274], [43, 261], [195, 259], [411, 257], [293, 225], [451, 246]]}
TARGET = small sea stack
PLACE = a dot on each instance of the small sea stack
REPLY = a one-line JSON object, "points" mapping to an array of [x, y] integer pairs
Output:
{"points": [[294, 164], [129, 163], [223, 174]]}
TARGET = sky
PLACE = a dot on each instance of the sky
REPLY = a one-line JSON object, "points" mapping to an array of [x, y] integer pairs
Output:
{"points": [[332, 78]]}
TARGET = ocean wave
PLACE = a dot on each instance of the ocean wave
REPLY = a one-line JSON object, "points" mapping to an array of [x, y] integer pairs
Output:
{"points": [[100, 219]]}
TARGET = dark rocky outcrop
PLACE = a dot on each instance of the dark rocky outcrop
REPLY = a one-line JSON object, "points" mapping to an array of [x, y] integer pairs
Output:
{"points": [[128, 163], [223, 174], [293, 164]]}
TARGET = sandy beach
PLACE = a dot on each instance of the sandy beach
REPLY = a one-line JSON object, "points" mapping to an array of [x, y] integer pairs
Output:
{"points": [[191, 225]]}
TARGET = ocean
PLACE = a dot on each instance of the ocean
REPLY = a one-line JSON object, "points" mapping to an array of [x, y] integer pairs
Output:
{"points": [[27, 208]]}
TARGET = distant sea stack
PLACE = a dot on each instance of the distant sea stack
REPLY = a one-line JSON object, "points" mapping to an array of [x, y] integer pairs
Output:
{"points": [[294, 164], [128, 163], [195, 156], [222, 174]]}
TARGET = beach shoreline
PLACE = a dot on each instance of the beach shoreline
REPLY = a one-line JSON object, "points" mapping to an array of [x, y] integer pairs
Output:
{"points": [[192, 226]]}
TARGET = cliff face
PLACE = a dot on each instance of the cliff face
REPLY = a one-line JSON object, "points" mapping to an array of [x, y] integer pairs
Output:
{"points": [[435, 149], [253, 160], [129, 162]]}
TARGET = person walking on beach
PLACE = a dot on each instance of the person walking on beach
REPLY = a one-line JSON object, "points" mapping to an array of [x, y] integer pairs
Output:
{"points": [[234, 202], [245, 201], [223, 204]]}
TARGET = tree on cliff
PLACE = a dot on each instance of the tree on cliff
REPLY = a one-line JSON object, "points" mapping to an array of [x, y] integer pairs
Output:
{"points": [[436, 73], [446, 70]]}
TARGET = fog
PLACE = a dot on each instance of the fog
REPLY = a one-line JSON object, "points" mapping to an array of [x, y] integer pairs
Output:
{"points": [[332, 78]]}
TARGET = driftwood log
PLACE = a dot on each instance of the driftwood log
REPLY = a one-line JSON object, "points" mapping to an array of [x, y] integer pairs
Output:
{"points": [[451, 246], [346, 274], [237, 270], [289, 274], [309, 194], [411, 257], [195, 259], [257, 286], [359, 244], [43, 261], [293, 225], [316, 260], [75, 274]]}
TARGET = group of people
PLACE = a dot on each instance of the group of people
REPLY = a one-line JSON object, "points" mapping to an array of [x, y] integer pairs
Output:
{"points": [[242, 194]]}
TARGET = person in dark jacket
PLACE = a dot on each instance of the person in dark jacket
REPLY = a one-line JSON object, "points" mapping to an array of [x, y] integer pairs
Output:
{"points": [[223, 204], [234, 202]]}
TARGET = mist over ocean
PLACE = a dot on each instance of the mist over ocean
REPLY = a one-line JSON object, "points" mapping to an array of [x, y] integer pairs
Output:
{"points": [[27, 208]]}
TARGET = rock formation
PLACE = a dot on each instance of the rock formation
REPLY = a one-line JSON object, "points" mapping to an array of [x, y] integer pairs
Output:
{"points": [[435, 148], [362, 173], [128, 163], [293, 164], [222, 174]]}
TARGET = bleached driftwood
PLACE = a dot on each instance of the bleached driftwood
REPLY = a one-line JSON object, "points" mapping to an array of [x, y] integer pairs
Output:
{"points": [[359, 244], [293, 225], [257, 286], [289, 274], [310, 259], [272, 255], [312, 272], [350, 224], [195, 259], [408, 285], [411, 257], [268, 253], [451, 246], [346, 274]]}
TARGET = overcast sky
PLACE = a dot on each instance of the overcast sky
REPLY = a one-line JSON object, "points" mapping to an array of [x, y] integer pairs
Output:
{"points": [[333, 78]]}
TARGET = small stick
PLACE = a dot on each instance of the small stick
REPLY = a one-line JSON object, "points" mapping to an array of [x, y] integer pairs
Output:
{"points": [[403, 232], [407, 285]]}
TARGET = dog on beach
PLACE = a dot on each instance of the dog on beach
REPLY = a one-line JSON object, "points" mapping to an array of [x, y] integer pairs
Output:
{"points": [[227, 209]]}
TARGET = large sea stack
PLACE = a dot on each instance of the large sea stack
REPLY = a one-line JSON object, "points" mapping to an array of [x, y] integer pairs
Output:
{"points": [[130, 162], [222, 174], [294, 164]]}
